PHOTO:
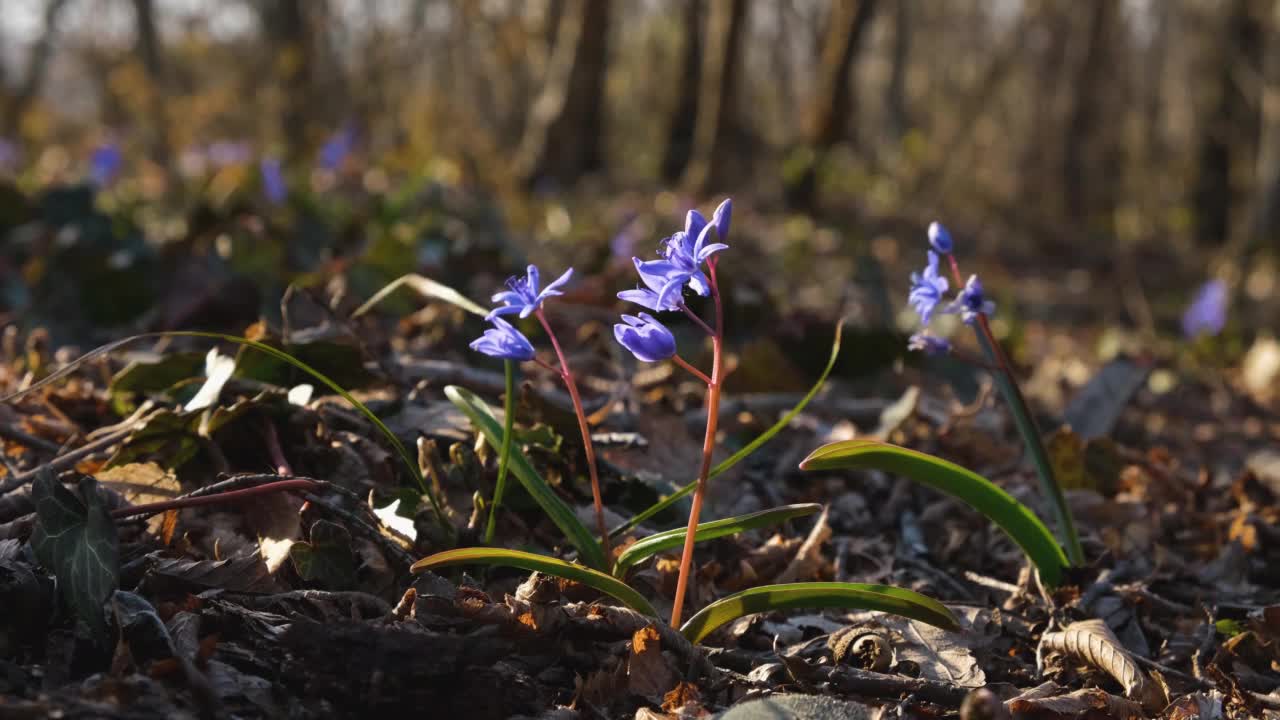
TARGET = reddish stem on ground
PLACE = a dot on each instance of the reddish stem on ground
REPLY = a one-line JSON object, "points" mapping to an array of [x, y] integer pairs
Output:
{"points": [[567, 375], [226, 497], [708, 447]]}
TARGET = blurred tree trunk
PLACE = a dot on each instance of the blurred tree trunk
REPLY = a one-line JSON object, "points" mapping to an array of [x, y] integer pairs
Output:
{"points": [[149, 50], [37, 67], [564, 136], [1091, 163], [1230, 131], [684, 121], [716, 94], [896, 92], [828, 117], [287, 25]]}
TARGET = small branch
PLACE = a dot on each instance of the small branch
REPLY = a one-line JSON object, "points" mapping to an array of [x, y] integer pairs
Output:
{"points": [[696, 372], [694, 316], [278, 459], [35, 443], [217, 499], [62, 462]]}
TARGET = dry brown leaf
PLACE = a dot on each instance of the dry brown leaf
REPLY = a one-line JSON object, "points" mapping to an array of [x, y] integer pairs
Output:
{"points": [[1047, 699], [143, 483], [1095, 643], [648, 672], [808, 561]]}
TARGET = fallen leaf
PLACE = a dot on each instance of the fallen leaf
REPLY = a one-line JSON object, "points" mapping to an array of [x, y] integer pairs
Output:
{"points": [[1049, 700], [1093, 642], [648, 672], [143, 482], [808, 561], [326, 559]]}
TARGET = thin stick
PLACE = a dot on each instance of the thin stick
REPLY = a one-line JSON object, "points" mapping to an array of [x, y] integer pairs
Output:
{"points": [[696, 372], [567, 375], [226, 497]]}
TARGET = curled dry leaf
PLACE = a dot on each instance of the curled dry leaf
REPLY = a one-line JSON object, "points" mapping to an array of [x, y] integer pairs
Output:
{"points": [[1093, 642], [1049, 700]]}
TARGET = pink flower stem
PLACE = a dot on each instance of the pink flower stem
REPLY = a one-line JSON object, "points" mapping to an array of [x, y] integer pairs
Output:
{"points": [[708, 447], [567, 375], [696, 372]]}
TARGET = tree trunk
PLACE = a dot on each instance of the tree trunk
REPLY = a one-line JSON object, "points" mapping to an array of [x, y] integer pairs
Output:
{"points": [[1091, 166], [717, 92], [1229, 134], [287, 25], [149, 50], [563, 139], [684, 120], [37, 67], [896, 93], [828, 117]]}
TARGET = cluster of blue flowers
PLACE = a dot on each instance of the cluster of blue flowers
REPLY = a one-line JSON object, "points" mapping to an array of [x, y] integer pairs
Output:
{"points": [[682, 258], [928, 289]]}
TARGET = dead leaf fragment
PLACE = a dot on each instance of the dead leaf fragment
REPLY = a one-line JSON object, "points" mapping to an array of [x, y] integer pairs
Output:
{"points": [[1095, 643], [1048, 701], [808, 561], [648, 672]]}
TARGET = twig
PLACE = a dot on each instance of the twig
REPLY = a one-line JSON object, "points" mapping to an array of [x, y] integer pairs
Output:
{"points": [[874, 684], [379, 606], [214, 499], [35, 443], [992, 583], [62, 462]]}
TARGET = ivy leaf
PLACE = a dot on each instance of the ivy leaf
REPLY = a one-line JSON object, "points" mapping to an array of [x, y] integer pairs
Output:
{"points": [[327, 559], [76, 539]]}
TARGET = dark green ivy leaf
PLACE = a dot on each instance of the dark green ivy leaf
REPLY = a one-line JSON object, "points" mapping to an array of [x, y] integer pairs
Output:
{"points": [[75, 537], [327, 559]]}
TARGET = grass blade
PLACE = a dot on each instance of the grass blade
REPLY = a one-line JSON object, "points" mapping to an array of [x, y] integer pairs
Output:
{"points": [[1016, 519], [579, 536], [541, 563], [749, 448], [408, 461], [426, 287], [884, 598], [648, 547], [504, 455]]}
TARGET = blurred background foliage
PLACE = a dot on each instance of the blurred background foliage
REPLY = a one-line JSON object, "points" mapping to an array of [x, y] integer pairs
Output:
{"points": [[1097, 159]]}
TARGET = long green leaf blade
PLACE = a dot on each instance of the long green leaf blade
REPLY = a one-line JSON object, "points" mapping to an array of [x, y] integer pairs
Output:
{"points": [[749, 448], [884, 598], [643, 549], [1017, 520], [478, 412], [540, 563], [426, 287], [504, 455]]}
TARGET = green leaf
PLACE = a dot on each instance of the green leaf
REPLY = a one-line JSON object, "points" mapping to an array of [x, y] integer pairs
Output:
{"points": [[427, 288], [658, 542], [555, 508], [1016, 519], [1035, 445], [150, 377], [883, 598], [327, 558], [749, 448], [405, 458], [76, 539], [540, 563], [504, 455]]}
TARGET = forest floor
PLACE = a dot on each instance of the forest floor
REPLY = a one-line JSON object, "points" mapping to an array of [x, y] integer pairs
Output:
{"points": [[301, 603]]}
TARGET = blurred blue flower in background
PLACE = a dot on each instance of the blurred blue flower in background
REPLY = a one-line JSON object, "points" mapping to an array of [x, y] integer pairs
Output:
{"points": [[336, 148], [273, 180], [926, 289], [928, 344], [971, 302], [104, 164], [940, 238], [1207, 313], [225, 153], [10, 154]]}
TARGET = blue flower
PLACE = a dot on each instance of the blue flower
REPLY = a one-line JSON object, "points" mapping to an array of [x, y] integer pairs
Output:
{"points": [[720, 218], [646, 338], [939, 238], [522, 295], [927, 289], [971, 302], [682, 257], [104, 163], [929, 344], [1207, 313], [336, 148], [9, 154], [273, 181], [503, 341]]}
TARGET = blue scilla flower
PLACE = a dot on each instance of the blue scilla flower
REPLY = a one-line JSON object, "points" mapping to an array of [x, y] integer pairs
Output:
{"points": [[683, 255], [927, 289], [104, 164], [503, 341], [273, 180], [929, 344], [646, 338], [971, 302], [336, 148], [1207, 313], [522, 295], [9, 154], [651, 296], [940, 238]]}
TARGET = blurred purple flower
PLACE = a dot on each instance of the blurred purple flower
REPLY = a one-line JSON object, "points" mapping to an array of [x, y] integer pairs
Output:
{"points": [[503, 341], [646, 338], [225, 153], [273, 180], [104, 164], [336, 149], [1207, 313], [971, 302], [926, 289], [939, 238], [928, 344], [522, 295], [10, 154]]}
